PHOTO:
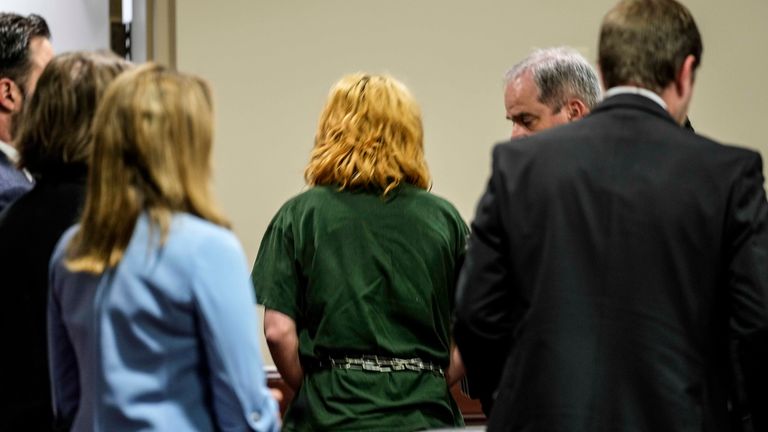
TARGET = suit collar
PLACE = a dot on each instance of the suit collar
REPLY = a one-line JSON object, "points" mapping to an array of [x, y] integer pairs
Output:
{"points": [[634, 101], [4, 160]]}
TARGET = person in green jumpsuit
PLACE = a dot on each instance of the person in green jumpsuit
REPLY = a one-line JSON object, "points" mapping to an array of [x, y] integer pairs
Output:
{"points": [[357, 273]]}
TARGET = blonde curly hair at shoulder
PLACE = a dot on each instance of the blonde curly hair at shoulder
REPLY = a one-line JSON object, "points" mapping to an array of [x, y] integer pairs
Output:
{"points": [[369, 136]]}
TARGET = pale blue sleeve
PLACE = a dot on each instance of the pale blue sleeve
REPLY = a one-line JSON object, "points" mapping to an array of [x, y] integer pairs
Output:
{"points": [[229, 326], [62, 362]]}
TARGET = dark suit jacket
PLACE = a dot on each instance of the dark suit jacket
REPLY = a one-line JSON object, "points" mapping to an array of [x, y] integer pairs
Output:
{"points": [[13, 182], [611, 262], [29, 230]]}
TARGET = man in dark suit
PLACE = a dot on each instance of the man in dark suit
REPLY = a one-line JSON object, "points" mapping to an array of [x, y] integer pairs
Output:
{"points": [[548, 88], [25, 49], [613, 260]]}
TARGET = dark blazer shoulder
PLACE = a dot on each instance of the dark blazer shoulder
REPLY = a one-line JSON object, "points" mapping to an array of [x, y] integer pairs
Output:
{"points": [[732, 158]]}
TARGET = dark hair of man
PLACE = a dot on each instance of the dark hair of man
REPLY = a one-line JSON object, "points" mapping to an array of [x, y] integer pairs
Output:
{"points": [[16, 32], [644, 43]]}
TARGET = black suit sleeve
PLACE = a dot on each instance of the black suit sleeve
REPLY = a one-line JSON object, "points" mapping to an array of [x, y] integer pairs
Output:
{"points": [[483, 326], [747, 276]]}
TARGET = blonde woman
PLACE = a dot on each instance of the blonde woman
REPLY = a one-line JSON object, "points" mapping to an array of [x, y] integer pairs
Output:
{"points": [[357, 274], [151, 320]]}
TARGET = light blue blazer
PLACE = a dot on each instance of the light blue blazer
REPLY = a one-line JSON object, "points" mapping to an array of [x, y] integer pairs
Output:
{"points": [[166, 341]]}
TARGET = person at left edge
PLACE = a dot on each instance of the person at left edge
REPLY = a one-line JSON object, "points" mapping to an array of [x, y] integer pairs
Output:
{"points": [[55, 144], [25, 49]]}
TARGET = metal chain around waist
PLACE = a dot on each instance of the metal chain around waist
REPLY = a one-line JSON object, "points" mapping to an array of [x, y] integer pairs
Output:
{"points": [[383, 364]]}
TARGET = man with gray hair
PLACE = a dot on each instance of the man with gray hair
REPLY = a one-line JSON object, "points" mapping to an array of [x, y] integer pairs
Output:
{"points": [[550, 87]]}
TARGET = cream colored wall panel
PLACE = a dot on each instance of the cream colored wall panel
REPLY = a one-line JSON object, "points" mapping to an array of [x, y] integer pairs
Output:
{"points": [[271, 63]]}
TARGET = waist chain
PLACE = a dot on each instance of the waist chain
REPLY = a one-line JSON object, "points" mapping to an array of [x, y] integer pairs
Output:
{"points": [[378, 364]]}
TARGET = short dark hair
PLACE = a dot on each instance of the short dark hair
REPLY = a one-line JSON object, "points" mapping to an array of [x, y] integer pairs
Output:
{"points": [[16, 32], [644, 43]]}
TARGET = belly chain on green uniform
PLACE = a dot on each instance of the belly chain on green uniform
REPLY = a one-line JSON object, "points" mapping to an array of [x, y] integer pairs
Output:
{"points": [[373, 363]]}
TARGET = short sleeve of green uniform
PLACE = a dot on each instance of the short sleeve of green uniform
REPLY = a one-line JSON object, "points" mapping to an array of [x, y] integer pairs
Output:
{"points": [[275, 274]]}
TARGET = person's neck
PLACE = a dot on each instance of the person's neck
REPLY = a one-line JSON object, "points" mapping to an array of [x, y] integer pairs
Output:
{"points": [[676, 106], [5, 128]]}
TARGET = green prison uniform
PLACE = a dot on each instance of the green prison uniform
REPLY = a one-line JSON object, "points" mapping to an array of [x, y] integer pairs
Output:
{"points": [[363, 274]]}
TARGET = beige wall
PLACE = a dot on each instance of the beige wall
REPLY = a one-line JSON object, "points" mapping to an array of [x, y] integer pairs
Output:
{"points": [[271, 63]]}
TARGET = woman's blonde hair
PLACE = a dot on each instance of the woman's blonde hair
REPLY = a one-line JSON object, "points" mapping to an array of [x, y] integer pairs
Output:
{"points": [[55, 127], [369, 137], [153, 134]]}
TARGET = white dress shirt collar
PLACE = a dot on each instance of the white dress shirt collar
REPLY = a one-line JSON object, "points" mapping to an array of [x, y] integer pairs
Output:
{"points": [[613, 91], [13, 155], [10, 152]]}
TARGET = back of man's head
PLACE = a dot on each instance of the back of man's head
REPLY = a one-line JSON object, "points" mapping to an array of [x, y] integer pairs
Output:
{"points": [[644, 43], [16, 33], [559, 73]]}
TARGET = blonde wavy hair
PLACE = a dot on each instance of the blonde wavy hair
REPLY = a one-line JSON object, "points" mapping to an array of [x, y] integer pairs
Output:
{"points": [[153, 134], [369, 136]]}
